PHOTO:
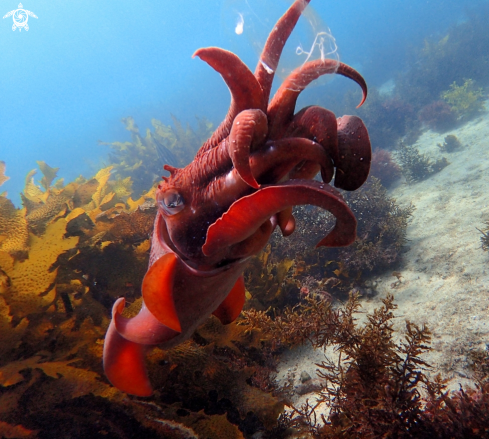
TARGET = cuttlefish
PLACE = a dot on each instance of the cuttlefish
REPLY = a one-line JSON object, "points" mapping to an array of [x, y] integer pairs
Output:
{"points": [[221, 209]]}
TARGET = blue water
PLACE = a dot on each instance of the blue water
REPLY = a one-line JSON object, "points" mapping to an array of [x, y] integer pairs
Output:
{"points": [[83, 65]]}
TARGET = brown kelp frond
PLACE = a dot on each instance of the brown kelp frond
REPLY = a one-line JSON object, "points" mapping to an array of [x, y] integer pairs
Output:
{"points": [[143, 157], [3, 177]]}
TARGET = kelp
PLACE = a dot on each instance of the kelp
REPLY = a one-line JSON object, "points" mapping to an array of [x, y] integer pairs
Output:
{"points": [[143, 158], [54, 311], [464, 99], [13, 225]]}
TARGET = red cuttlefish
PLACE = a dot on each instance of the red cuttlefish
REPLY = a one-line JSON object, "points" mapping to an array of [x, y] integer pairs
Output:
{"points": [[221, 209]]}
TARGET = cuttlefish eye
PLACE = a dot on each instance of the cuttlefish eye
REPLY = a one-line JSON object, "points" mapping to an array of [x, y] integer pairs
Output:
{"points": [[171, 202]]}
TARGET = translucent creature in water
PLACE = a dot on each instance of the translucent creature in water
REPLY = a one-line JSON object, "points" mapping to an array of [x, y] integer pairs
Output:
{"points": [[245, 24], [239, 24]]}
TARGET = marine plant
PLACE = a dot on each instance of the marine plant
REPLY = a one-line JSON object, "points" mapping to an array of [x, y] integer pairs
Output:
{"points": [[388, 117], [465, 99], [416, 166], [438, 116], [450, 143], [143, 158], [13, 225], [459, 54], [377, 386], [485, 237], [289, 271], [384, 168]]}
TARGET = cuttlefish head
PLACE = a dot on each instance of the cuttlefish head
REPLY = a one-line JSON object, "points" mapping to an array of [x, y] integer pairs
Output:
{"points": [[188, 205]]}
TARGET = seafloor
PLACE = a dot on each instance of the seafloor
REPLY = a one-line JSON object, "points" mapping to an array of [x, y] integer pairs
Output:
{"points": [[444, 272]]}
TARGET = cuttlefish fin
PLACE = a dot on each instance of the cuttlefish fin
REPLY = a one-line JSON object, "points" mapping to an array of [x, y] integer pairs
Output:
{"points": [[230, 308], [124, 360], [158, 291]]}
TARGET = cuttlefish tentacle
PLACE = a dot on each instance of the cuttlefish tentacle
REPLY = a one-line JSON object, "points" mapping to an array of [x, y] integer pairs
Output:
{"points": [[249, 128], [318, 124], [247, 214], [282, 106], [281, 157], [270, 56], [271, 164], [246, 92]]}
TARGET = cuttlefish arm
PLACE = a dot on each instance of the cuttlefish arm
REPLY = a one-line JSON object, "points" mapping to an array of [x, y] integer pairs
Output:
{"points": [[281, 108], [246, 215], [270, 56], [246, 92]]}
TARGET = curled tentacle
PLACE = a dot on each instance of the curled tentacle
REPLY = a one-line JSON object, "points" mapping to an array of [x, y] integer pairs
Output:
{"points": [[246, 215], [318, 124], [249, 128], [289, 155], [282, 106], [246, 92]]}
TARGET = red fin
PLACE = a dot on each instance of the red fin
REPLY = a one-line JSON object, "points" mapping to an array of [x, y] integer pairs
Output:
{"points": [[124, 361], [158, 291], [230, 308]]}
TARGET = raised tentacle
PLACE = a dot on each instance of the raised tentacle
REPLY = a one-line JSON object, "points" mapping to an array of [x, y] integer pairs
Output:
{"points": [[355, 153], [249, 128], [247, 214], [270, 56], [246, 92], [282, 106]]}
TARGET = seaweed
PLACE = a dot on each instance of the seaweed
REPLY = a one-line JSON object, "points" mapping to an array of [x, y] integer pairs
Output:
{"points": [[384, 168], [465, 100], [376, 386], [143, 158], [450, 144], [416, 166], [460, 54], [331, 272], [485, 237], [438, 116]]}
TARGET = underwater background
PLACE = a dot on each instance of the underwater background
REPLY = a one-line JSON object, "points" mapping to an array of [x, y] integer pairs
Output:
{"points": [[97, 96]]}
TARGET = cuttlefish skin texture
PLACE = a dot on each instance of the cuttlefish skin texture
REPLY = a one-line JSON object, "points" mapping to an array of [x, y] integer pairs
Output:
{"points": [[221, 209]]}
